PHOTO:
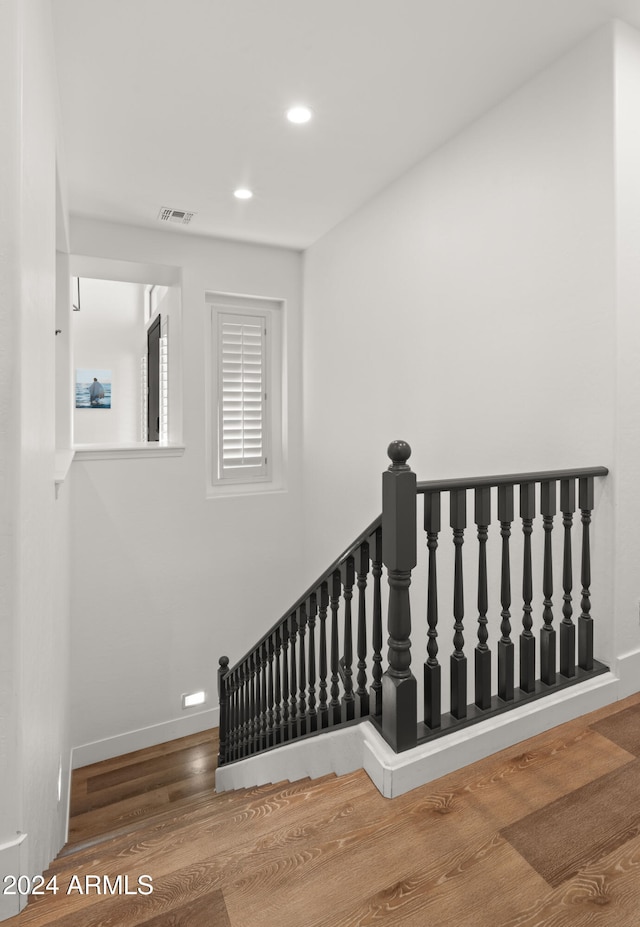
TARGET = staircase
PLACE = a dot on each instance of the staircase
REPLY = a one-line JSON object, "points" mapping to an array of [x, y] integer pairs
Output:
{"points": [[151, 819], [321, 670]]}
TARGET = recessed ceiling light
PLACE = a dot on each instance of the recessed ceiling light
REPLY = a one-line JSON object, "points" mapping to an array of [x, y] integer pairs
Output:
{"points": [[242, 193], [299, 114]]}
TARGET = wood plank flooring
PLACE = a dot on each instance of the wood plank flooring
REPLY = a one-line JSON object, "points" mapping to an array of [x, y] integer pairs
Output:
{"points": [[544, 833]]}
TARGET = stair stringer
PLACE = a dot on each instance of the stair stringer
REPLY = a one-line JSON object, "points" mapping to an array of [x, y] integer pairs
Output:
{"points": [[360, 746]]}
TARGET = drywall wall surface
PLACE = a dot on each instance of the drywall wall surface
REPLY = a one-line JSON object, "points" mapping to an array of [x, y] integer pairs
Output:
{"points": [[627, 454], [109, 336], [469, 309], [166, 580], [33, 705], [43, 609], [10, 702]]}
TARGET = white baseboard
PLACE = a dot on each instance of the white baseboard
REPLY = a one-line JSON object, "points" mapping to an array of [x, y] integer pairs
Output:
{"points": [[362, 747], [397, 773], [628, 672], [192, 723], [13, 856]]}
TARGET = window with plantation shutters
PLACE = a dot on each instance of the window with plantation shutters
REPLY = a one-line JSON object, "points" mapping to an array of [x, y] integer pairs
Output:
{"points": [[242, 385], [245, 410]]}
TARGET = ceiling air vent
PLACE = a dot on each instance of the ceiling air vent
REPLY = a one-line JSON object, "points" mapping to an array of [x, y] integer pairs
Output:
{"points": [[175, 215]]}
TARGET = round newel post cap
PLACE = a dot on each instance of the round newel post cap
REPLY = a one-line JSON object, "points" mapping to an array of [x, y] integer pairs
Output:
{"points": [[224, 662], [399, 452]]}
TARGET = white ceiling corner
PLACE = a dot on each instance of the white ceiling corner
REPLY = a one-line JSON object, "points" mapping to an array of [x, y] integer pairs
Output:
{"points": [[175, 103]]}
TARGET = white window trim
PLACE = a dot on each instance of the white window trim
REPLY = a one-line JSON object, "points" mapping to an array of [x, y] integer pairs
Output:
{"points": [[165, 277], [273, 310], [164, 380], [144, 385]]}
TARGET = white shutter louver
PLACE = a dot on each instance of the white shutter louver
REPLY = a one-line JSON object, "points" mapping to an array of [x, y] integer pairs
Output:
{"points": [[242, 385]]}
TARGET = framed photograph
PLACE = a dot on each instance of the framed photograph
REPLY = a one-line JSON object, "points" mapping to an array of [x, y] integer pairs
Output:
{"points": [[93, 388]]}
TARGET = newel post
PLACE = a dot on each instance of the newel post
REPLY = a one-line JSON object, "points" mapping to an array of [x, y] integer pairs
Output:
{"points": [[223, 670], [399, 692]]}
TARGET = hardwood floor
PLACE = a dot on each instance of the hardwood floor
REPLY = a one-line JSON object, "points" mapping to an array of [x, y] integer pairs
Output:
{"points": [[544, 833]]}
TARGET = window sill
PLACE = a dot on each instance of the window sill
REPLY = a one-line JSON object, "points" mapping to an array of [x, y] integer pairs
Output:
{"points": [[126, 451], [63, 461], [235, 490]]}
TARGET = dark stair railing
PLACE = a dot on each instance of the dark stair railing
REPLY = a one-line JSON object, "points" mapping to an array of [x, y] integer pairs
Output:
{"points": [[294, 682], [300, 680]]}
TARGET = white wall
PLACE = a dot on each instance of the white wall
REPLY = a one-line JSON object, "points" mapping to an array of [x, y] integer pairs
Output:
{"points": [[627, 363], [179, 579], [33, 590], [10, 703], [109, 333], [470, 310]]}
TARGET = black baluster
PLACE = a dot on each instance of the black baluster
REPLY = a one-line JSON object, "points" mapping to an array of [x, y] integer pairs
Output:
{"points": [[230, 721], [432, 669], [399, 690], [347, 572], [239, 712], [270, 695], [527, 640], [262, 735], [255, 683], [251, 730], [277, 718], [505, 644], [375, 551], [285, 680], [362, 569], [246, 709], [250, 705], [256, 703], [302, 674], [323, 599], [585, 622], [235, 716], [293, 711], [482, 652], [335, 711], [567, 627], [547, 632], [246, 735], [458, 662], [231, 716], [223, 700], [312, 610]]}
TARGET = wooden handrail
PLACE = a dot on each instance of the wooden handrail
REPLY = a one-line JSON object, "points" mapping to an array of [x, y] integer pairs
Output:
{"points": [[508, 479]]}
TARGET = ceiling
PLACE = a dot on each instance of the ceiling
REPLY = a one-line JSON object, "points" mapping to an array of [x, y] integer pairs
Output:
{"points": [[176, 103]]}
